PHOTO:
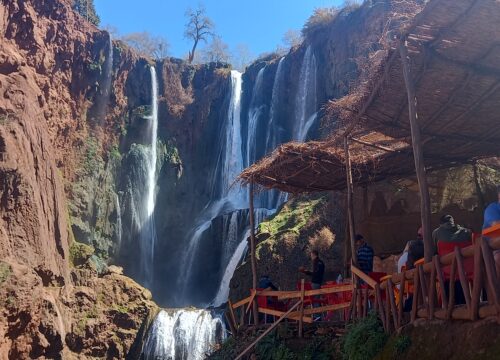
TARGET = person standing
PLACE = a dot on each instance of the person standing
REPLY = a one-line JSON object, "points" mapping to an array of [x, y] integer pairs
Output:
{"points": [[317, 272], [364, 255]]}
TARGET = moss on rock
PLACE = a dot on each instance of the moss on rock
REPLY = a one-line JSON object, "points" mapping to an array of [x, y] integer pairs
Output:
{"points": [[5, 271], [80, 253]]}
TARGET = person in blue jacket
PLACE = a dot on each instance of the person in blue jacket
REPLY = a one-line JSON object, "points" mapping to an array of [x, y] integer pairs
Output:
{"points": [[492, 217]]}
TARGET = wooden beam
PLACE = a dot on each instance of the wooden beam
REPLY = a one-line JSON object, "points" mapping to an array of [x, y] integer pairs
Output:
{"points": [[350, 201], [376, 146], [301, 320], [425, 206], [252, 251], [363, 276], [250, 347]]}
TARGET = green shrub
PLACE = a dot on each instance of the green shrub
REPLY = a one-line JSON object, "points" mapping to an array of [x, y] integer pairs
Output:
{"points": [[401, 344], [272, 347], [320, 19], [364, 339], [79, 253], [5, 271]]}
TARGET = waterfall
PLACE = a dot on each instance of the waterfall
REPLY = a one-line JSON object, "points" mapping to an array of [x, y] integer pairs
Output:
{"points": [[253, 118], [119, 229], [108, 69], [272, 138], [183, 334], [229, 166], [236, 258], [305, 102], [147, 230], [232, 161]]}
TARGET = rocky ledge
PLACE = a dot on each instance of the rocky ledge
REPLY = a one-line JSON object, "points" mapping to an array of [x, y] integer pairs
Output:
{"points": [[92, 316]]}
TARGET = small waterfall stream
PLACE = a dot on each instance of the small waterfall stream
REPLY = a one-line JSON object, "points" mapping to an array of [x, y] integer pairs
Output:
{"points": [[306, 102], [148, 230]]}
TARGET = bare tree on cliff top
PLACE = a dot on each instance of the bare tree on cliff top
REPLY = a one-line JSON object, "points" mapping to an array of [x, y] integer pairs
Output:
{"points": [[216, 51], [198, 28], [147, 45]]}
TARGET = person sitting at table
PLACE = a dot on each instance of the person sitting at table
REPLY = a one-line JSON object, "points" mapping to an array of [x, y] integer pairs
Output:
{"points": [[449, 232], [265, 283], [491, 218], [364, 254]]}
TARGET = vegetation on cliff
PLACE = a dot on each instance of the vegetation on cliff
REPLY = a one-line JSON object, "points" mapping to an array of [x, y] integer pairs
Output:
{"points": [[86, 8]]}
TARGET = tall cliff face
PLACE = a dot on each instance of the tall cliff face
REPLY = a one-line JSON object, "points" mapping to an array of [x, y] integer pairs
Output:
{"points": [[51, 85]]}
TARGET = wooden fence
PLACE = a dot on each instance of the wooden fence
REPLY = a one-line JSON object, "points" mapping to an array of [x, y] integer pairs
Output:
{"points": [[432, 288], [241, 309]]}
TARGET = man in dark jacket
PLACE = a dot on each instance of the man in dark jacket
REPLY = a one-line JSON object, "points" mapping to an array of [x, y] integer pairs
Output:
{"points": [[317, 272]]}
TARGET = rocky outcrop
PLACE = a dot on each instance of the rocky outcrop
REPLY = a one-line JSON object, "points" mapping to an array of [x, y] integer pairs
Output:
{"points": [[94, 317], [284, 243]]}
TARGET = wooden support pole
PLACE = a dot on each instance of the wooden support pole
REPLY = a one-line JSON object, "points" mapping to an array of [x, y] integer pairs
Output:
{"points": [[301, 320], [432, 293], [390, 291], [350, 201], [416, 295], [477, 283], [401, 299], [381, 307], [451, 300], [491, 274], [365, 302], [388, 310], [232, 317], [463, 277], [440, 277], [425, 202], [352, 308], [252, 252]]}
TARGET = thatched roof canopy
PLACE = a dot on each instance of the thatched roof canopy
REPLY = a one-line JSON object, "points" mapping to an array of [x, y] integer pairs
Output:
{"points": [[454, 49]]}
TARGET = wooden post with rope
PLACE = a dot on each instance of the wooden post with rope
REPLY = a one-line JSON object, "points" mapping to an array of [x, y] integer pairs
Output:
{"points": [[350, 202], [252, 252], [301, 320], [418, 154]]}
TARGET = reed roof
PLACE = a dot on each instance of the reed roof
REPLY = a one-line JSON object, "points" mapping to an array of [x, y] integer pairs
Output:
{"points": [[454, 51]]}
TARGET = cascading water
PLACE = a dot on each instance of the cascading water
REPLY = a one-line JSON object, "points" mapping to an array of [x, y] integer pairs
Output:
{"points": [[236, 258], [184, 334], [273, 137], [119, 229], [109, 69], [227, 198], [253, 118], [148, 230], [306, 102]]}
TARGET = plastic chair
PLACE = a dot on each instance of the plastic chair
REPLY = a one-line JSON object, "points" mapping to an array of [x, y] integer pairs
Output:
{"points": [[449, 247]]}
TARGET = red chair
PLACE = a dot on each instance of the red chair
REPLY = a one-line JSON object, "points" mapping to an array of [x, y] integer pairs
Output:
{"points": [[449, 247], [311, 300], [268, 302]]}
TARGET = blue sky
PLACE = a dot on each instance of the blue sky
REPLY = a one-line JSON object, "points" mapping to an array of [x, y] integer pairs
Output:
{"points": [[260, 24]]}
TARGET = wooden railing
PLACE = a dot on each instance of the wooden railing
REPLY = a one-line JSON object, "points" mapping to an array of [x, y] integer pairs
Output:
{"points": [[426, 284], [241, 309]]}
